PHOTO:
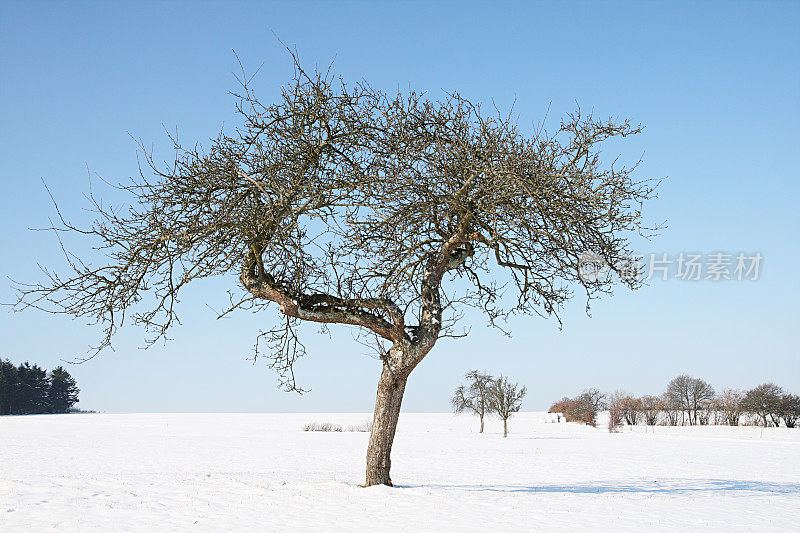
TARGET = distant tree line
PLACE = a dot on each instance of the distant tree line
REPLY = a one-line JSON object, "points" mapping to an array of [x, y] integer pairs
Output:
{"points": [[29, 389], [485, 395], [686, 401]]}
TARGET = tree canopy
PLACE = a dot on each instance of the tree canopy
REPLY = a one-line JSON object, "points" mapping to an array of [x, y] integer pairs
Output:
{"points": [[345, 204]]}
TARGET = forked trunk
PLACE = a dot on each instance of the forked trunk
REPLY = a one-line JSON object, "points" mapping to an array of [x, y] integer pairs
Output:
{"points": [[384, 424]]}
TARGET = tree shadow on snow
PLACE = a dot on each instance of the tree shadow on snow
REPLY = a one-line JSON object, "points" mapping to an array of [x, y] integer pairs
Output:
{"points": [[667, 486]]}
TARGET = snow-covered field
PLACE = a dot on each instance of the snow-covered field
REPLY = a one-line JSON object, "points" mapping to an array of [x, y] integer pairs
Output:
{"points": [[261, 472]]}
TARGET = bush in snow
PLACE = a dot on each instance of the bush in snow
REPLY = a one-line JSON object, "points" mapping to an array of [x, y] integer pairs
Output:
{"points": [[324, 426], [364, 427], [583, 408], [566, 407]]}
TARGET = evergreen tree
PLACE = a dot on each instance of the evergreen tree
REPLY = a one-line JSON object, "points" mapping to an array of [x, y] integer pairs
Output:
{"points": [[33, 390], [63, 392], [9, 387]]}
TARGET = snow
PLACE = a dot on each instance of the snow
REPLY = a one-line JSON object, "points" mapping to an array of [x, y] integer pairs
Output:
{"points": [[221, 472]]}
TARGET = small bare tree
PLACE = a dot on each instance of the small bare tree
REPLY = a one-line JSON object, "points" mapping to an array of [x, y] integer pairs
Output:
{"points": [[652, 406], [730, 404], [615, 416], [631, 409], [505, 399], [474, 397], [616, 410], [343, 204], [673, 409]]}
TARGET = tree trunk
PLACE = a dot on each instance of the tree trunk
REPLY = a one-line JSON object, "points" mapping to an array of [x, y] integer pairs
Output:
{"points": [[505, 427], [481, 431], [384, 424]]}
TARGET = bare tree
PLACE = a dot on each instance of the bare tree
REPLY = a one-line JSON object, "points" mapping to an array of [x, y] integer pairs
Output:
{"points": [[475, 396], [505, 399], [700, 393], [716, 411], [627, 407], [615, 416], [631, 408], [616, 410], [790, 409], [703, 412], [730, 404], [673, 408], [651, 406], [688, 394], [765, 401], [342, 204], [590, 402], [677, 394]]}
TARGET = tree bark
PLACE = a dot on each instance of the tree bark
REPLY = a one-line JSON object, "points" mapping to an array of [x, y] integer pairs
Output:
{"points": [[384, 424], [505, 427], [481, 431]]}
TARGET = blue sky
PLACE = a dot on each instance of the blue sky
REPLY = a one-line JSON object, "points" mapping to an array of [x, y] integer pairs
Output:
{"points": [[717, 86]]}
